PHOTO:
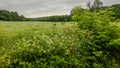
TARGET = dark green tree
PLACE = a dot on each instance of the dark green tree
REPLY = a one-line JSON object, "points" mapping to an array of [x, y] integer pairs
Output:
{"points": [[97, 4], [15, 16], [10, 16], [88, 4], [116, 10], [22, 18], [5, 15]]}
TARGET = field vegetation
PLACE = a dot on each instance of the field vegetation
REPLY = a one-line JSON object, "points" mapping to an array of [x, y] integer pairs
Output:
{"points": [[92, 40]]}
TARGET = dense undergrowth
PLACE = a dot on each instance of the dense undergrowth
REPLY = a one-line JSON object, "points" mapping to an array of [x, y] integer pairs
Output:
{"points": [[93, 43]]}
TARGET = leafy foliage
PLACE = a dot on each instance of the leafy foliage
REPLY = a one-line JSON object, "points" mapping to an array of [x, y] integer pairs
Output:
{"points": [[76, 13], [57, 18], [96, 5], [96, 35], [37, 50], [116, 9], [10, 16]]}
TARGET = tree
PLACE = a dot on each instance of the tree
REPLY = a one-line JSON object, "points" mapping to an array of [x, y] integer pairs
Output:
{"points": [[97, 4], [4, 15], [10, 16], [116, 10], [15, 16], [99, 44], [89, 4], [22, 18], [76, 13]]}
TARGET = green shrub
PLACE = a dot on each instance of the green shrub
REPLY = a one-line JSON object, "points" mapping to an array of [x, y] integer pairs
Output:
{"points": [[36, 50], [99, 41]]}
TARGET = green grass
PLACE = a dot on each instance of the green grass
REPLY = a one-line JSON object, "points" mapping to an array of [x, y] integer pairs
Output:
{"points": [[11, 31], [13, 28]]}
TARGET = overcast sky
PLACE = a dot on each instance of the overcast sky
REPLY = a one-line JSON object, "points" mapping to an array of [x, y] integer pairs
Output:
{"points": [[39, 8]]}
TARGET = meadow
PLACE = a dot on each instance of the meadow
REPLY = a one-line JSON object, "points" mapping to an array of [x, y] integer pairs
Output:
{"points": [[39, 37], [11, 30], [59, 45], [8, 28]]}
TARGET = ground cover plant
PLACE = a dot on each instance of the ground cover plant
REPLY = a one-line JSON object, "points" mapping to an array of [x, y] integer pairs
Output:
{"points": [[72, 46]]}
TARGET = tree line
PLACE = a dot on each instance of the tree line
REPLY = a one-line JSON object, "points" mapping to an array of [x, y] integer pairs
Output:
{"points": [[57, 18], [97, 6], [11, 16]]}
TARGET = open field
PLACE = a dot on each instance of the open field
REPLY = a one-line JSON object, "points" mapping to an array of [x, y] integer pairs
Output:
{"points": [[10, 31], [34, 39], [8, 28]]}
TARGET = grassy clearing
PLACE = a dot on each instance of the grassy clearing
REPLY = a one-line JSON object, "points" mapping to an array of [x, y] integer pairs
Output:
{"points": [[36, 41], [13, 28], [10, 31]]}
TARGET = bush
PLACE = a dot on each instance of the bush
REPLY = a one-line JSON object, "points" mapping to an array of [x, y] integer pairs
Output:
{"points": [[36, 50], [97, 49]]}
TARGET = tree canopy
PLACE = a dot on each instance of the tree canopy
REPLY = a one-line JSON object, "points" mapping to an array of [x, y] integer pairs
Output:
{"points": [[11, 16], [57, 18]]}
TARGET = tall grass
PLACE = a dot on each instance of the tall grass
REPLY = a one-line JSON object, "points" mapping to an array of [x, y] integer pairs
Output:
{"points": [[9, 30]]}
